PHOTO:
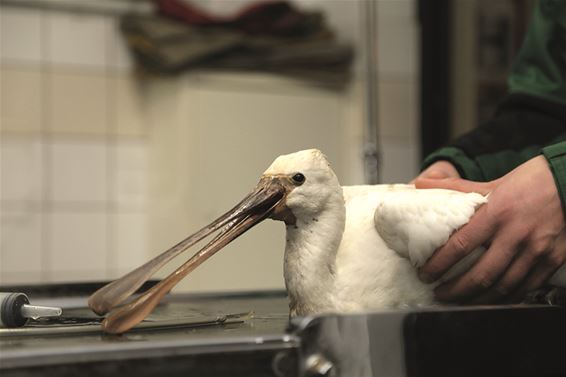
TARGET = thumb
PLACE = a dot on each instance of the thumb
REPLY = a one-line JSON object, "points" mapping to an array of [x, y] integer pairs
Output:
{"points": [[432, 174], [456, 184], [437, 174]]}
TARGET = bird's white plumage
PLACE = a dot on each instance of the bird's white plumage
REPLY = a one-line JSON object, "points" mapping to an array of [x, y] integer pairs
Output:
{"points": [[355, 248], [414, 223], [403, 227]]}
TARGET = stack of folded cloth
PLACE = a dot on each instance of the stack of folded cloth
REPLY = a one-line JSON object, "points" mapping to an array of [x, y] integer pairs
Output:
{"points": [[267, 36]]}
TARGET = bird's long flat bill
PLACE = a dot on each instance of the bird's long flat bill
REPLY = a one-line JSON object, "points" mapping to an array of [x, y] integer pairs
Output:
{"points": [[265, 199]]}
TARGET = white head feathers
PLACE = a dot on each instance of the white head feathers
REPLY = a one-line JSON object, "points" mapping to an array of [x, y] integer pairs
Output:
{"points": [[310, 159]]}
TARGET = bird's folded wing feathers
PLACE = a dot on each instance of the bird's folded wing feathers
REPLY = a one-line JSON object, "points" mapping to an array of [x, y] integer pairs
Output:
{"points": [[414, 223]]}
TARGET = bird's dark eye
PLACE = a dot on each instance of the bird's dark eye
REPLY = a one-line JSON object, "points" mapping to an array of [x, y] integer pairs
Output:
{"points": [[299, 179]]}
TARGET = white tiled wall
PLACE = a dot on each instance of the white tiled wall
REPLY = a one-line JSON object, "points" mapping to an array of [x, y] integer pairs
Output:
{"points": [[397, 42], [130, 238], [21, 170], [129, 175], [21, 98], [87, 44], [79, 171], [22, 259], [74, 151], [398, 104], [77, 102], [77, 245], [102, 170], [21, 35]]}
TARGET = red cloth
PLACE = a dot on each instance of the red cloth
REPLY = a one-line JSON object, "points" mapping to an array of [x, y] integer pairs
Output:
{"points": [[264, 17]]}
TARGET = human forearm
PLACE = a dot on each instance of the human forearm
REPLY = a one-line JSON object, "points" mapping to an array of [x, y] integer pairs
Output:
{"points": [[522, 126]]}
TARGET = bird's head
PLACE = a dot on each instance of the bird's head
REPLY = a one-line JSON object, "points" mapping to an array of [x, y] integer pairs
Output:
{"points": [[306, 180], [295, 186]]}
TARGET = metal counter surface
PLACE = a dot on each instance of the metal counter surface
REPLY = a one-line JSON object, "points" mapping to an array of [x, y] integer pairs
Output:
{"points": [[215, 335], [183, 325]]}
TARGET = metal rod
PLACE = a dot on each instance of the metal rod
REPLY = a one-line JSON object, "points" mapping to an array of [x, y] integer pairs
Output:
{"points": [[371, 150]]}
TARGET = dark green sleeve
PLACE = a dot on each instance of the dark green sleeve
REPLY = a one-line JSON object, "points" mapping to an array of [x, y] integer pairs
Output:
{"points": [[532, 116], [467, 167], [522, 126], [556, 157], [488, 167], [540, 67], [485, 168]]}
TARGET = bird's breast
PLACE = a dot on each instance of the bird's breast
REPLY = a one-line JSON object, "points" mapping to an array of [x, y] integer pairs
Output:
{"points": [[369, 274]]}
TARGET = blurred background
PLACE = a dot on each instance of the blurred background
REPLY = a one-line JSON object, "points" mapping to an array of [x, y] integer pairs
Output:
{"points": [[127, 125]]}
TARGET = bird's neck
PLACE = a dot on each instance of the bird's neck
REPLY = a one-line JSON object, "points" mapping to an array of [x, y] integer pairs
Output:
{"points": [[310, 255]]}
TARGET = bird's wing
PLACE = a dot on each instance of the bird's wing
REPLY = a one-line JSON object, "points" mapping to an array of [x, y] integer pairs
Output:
{"points": [[414, 223]]}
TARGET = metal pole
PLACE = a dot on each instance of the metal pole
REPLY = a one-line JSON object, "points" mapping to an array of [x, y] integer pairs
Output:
{"points": [[372, 153]]}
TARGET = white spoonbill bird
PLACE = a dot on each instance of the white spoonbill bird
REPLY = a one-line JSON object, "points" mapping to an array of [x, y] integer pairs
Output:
{"points": [[348, 249]]}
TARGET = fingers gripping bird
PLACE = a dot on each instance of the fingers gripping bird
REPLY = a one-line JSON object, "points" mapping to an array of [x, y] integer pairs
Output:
{"points": [[348, 249]]}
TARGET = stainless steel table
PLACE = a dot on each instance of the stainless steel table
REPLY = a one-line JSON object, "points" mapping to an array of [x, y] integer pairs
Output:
{"points": [[249, 334]]}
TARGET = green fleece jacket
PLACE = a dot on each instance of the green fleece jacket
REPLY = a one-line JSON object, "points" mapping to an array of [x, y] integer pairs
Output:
{"points": [[531, 120]]}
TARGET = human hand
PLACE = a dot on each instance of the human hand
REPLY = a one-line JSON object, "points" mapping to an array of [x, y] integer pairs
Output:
{"points": [[438, 170], [521, 226]]}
